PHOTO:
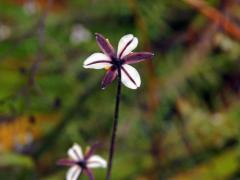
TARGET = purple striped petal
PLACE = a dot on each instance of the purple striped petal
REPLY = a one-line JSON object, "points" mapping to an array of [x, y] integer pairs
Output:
{"points": [[73, 173], [126, 45], [66, 162], [133, 58], [105, 45], [91, 150], [130, 77], [89, 173], [97, 61], [109, 77], [96, 161]]}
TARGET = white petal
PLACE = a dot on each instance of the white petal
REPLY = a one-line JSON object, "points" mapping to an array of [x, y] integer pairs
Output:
{"points": [[130, 77], [97, 61], [73, 173], [96, 161], [126, 45], [75, 152]]}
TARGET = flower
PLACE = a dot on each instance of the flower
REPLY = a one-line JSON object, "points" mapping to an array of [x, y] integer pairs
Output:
{"points": [[79, 34], [112, 61], [81, 163]]}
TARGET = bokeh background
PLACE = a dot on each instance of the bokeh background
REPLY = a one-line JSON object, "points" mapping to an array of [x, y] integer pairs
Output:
{"points": [[182, 123]]}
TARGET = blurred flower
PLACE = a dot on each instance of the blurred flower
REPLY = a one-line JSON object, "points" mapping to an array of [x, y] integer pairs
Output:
{"points": [[82, 163], [22, 141], [5, 32], [111, 60], [79, 34], [30, 7]]}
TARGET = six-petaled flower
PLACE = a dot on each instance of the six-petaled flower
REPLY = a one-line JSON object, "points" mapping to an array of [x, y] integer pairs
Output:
{"points": [[79, 162], [120, 60]]}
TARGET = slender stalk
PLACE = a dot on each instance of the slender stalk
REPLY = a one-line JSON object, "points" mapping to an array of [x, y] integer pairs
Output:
{"points": [[114, 128]]}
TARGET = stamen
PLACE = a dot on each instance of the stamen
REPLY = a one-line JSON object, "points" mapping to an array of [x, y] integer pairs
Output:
{"points": [[107, 68]]}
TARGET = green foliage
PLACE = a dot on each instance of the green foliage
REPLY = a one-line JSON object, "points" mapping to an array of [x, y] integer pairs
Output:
{"points": [[183, 119]]}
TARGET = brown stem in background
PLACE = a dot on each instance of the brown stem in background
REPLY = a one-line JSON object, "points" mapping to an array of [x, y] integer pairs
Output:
{"points": [[149, 68], [152, 93], [194, 57], [41, 40], [216, 16], [25, 89]]}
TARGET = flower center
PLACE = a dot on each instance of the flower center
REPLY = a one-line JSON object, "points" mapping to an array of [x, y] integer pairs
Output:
{"points": [[82, 164], [117, 62]]}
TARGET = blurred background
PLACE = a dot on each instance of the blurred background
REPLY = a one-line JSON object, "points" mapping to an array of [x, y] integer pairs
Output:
{"points": [[182, 123]]}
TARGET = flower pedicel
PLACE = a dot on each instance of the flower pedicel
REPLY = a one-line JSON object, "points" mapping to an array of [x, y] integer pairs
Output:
{"points": [[117, 65]]}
